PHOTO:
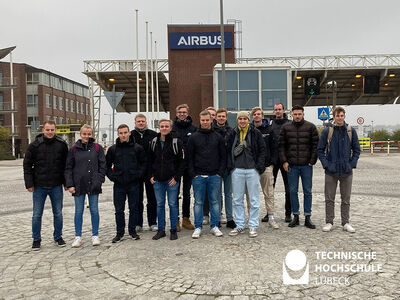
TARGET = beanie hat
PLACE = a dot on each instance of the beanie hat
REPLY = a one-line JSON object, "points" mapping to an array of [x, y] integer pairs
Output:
{"points": [[242, 114]]}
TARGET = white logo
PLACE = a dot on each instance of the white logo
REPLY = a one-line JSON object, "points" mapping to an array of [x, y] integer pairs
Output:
{"points": [[193, 40], [295, 261]]}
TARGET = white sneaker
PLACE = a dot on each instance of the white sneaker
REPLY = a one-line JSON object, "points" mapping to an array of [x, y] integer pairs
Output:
{"points": [[215, 231], [253, 232], [77, 242], [347, 227], [154, 228], [273, 223], [196, 233], [327, 227], [206, 220], [223, 219], [236, 231], [95, 240]]}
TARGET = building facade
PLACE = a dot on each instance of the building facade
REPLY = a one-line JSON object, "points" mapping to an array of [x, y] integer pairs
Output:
{"points": [[40, 95]]}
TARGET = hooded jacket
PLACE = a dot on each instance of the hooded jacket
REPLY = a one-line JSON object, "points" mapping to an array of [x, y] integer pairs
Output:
{"points": [[206, 153], [44, 162], [298, 143], [85, 168], [257, 146], [271, 145], [184, 129], [343, 154], [225, 131], [165, 164], [126, 163], [143, 137]]}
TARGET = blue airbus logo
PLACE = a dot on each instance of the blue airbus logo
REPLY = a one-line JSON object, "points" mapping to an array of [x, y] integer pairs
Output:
{"points": [[199, 40]]}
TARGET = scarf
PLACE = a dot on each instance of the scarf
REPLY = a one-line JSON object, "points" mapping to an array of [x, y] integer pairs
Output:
{"points": [[243, 132]]}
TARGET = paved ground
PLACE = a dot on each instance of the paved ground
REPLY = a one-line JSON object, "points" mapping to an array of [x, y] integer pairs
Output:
{"points": [[208, 268]]}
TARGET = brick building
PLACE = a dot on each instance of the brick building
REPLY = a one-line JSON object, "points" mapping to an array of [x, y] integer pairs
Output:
{"points": [[40, 95]]}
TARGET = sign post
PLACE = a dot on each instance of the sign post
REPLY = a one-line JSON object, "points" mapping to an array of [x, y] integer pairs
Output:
{"points": [[114, 98]]}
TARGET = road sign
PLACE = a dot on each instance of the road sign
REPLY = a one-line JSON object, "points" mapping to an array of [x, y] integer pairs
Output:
{"points": [[104, 136], [63, 129], [360, 120], [323, 113], [114, 98], [365, 142]]}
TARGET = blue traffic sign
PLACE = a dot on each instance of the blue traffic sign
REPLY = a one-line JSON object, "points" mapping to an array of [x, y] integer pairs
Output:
{"points": [[323, 113]]}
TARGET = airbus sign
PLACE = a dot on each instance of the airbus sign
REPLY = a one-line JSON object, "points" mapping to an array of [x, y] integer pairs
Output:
{"points": [[199, 40]]}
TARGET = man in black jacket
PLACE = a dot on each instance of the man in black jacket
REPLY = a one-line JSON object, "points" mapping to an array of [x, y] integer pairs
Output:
{"points": [[207, 164], [184, 128], [271, 157], [298, 151], [279, 119], [44, 166], [246, 158], [143, 136], [167, 165], [126, 167]]}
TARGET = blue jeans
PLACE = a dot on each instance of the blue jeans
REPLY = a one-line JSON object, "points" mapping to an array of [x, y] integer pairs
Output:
{"points": [[120, 194], [39, 197], [240, 179], [94, 213], [211, 184], [160, 188], [306, 173], [228, 195]]}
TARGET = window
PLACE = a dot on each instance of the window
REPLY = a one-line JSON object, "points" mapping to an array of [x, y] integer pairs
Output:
{"points": [[82, 111], [48, 104], [60, 103], [31, 100], [72, 105], [61, 120], [78, 121], [1, 120], [1, 101], [87, 109], [1, 79], [77, 107], [34, 122], [32, 78], [48, 118], [66, 104], [55, 102], [55, 120]]}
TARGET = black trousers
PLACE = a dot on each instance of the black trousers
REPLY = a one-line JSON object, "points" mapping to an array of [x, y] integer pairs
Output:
{"points": [[187, 184], [151, 203], [120, 194], [288, 208]]}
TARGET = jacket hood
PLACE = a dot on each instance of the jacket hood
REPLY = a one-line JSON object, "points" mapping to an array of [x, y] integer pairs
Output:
{"points": [[206, 131], [79, 143], [265, 123], [183, 124]]}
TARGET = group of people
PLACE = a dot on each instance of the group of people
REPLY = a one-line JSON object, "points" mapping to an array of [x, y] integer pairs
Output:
{"points": [[241, 160]]}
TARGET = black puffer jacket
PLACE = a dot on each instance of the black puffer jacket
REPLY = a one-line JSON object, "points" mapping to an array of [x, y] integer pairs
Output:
{"points": [[276, 125], [257, 147], [206, 153], [165, 164], [184, 129], [271, 145], [44, 162], [126, 163], [143, 138], [86, 168], [298, 143]]}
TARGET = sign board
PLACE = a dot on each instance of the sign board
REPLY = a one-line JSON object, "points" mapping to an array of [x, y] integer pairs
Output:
{"points": [[63, 129], [323, 113], [199, 40], [360, 120], [114, 98], [365, 142]]}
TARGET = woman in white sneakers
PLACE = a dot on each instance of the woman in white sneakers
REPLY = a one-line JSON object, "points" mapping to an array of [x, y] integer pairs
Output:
{"points": [[84, 174]]}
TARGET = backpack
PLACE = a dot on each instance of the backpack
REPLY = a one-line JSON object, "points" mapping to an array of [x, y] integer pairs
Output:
{"points": [[330, 134], [174, 145], [96, 146]]}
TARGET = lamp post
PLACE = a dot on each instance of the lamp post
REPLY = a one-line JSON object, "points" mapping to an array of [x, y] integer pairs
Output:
{"points": [[109, 126], [223, 54]]}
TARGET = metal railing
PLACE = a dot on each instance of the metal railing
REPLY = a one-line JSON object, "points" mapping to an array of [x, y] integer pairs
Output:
{"points": [[5, 82], [6, 107]]}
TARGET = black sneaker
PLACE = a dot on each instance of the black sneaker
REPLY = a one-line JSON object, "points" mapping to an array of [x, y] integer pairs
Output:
{"points": [[288, 218], [36, 245], [231, 224], [117, 239], [60, 242], [134, 235], [160, 234], [265, 219], [173, 235]]}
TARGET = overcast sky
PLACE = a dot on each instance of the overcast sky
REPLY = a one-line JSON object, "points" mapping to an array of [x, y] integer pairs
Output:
{"points": [[59, 35]]}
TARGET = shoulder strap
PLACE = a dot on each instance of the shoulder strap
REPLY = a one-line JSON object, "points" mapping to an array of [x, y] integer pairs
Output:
{"points": [[96, 146], [153, 144], [74, 148], [349, 133], [175, 145], [328, 141]]}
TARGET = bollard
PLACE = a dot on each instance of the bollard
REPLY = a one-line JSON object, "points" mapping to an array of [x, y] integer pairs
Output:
{"points": [[388, 150], [372, 147]]}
